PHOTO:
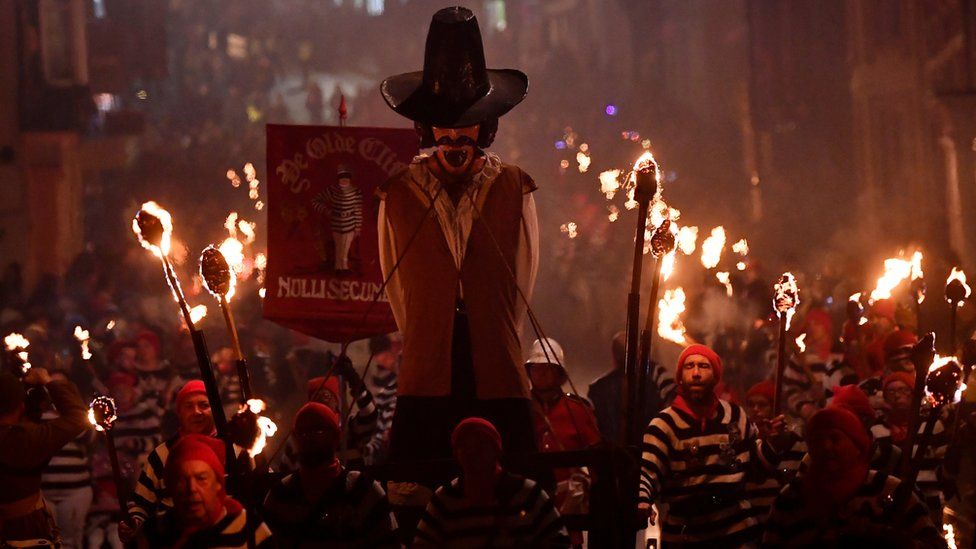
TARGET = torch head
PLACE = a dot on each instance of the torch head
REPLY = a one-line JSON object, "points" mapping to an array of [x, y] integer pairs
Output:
{"points": [[647, 177], [151, 227], [102, 413], [955, 291], [943, 383], [854, 311], [662, 241], [923, 353], [216, 272]]}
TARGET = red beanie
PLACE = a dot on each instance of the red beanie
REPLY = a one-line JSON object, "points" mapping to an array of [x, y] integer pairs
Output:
{"points": [[704, 351], [896, 341], [885, 308], [843, 420], [821, 318], [904, 377], [192, 387], [853, 399], [477, 425], [150, 337], [209, 450], [318, 384], [764, 389], [315, 416]]}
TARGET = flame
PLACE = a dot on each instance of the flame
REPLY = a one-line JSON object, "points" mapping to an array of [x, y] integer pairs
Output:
{"points": [[233, 251], [234, 179], [741, 247], [167, 222], [249, 172], [712, 248], [937, 363], [198, 313], [569, 229], [726, 280], [917, 265], [800, 343], [958, 274], [863, 321], [670, 307], [110, 325], [266, 427], [231, 223], [18, 344], [646, 162], [786, 296], [896, 270], [667, 265], [583, 160], [108, 411], [950, 535], [661, 211], [247, 229], [262, 292], [259, 205], [261, 261], [687, 239], [614, 214], [82, 337], [610, 183]]}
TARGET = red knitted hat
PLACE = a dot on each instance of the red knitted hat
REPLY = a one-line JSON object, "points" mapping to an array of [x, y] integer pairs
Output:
{"points": [[835, 417], [477, 425], [209, 450], [150, 337], [904, 377], [315, 416], [853, 399], [318, 384], [192, 387], [765, 389], [896, 341], [704, 351], [819, 317]]}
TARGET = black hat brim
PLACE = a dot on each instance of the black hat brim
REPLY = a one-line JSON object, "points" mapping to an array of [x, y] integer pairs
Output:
{"points": [[406, 94]]}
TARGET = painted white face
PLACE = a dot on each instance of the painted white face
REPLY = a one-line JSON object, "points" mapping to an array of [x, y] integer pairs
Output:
{"points": [[456, 148]]}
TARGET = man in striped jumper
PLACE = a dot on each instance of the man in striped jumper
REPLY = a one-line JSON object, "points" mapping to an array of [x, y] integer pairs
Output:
{"points": [[324, 504], [841, 501], [695, 458], [343, 203], [150, 499], [386, 354], [205, 516], [488, 506]]}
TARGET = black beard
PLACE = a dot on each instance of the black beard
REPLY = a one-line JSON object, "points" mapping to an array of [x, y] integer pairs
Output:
{"points": [[456, 158]]}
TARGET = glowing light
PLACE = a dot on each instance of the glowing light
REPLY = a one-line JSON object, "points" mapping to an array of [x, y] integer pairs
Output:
{"points": [[102, 413], [959, 276], [259, 205], [198, 313], [153, 217], [949, 535], [266, 427], [583, 161], [260, 261], [18, 344], [712, 248], [786, 297], [82, 337], [569, 229], [233, 251], [110, 325], [800, 343], [247, 228], [741, 265], [611, 110], [217, 274], [262, 292], [687, 239], [960, 387], [896, 270], [234, 179], [670, 308], [741, 247], [614, 214], [610, 183], [667, 265], [917, 265], [563, 164], [726, 281]]}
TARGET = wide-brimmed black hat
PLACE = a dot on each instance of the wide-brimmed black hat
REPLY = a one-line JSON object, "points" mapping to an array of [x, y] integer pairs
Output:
{"points": [[455, 89]]}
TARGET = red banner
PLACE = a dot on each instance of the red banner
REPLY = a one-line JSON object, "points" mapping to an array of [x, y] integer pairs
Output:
{"points": [[324, 272]]}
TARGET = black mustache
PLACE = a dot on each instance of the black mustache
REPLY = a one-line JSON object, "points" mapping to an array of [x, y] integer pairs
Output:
{"points": [[463, 141]]}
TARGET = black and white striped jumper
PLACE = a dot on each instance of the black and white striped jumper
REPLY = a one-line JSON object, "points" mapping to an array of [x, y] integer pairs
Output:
{"points": [[766, 482], [663, 379], [698, 469], [230, 532], [874, 507], [360, 428], [138, 430], [930, 474], [149, 498], [353, 512], [815, 383], [344, 205], [385, 386], [523, 516], [69, 469]]}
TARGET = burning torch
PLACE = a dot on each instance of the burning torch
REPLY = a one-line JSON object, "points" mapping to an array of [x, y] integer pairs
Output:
{"points": [[647, 179], [956, 292], [102, 415], [16, 354], [154, 227], [785, 300], [662, 243], [220, 282]]}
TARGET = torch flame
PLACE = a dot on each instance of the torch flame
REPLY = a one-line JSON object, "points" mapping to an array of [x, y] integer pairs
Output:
{"points": [[18, 344], [726, 280], [801, 343], [614, 213], [960, 388], [950, 535], [896, 270], [670, 307], [266, 427], [958, 275], [687, 239], [741, 265], [233, 251], [102, 413], [165, 220], [583, 160], [667, 265], [646, 163], [917, 265], [82, 337], [712, 248], [569, 229], [198, 313]]}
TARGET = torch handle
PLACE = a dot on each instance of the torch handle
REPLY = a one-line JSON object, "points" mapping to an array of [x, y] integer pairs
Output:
{"points": [[923, 445], [121, 487], [174, 285], [908, 446], [952, 327], [780, 366], [646, 348], [210, 383], [242, 373], [633, 325]]}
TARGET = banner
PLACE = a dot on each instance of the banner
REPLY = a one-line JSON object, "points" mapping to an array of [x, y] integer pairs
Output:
{"points": [[323, 271]]}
